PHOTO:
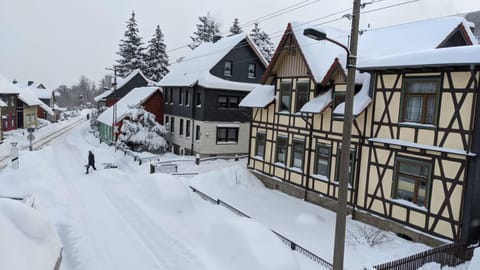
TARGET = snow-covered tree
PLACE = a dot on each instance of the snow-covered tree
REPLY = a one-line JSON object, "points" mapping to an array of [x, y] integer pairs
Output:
{"points": [[263, 42], [235, 29], [140, 131], [156, 59], [207, 29], [131, 49]]}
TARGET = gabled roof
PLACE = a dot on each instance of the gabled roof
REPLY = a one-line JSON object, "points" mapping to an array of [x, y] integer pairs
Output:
{"points": [[134, 98], [454, 56], [28, 97], [122, 81], [195, 68], [414, 36], [103, 95], [43, 93], [318, 55]]}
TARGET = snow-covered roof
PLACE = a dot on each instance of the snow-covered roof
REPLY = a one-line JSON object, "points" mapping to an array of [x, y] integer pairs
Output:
{"points": [[103, 95], [195, 68], [28, 97], [259, 97], [414, 36], [421, 146], [453, 56], [320, 55], [46, 108], [42, 93], [134, 98], [122, 81], [361, 100], [318, 104], [7, 87]]}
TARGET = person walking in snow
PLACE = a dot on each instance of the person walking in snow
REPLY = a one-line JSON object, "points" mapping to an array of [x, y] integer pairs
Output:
{"points": [[91, 161]]}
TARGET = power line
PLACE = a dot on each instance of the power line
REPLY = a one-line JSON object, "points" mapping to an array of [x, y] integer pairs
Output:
{"points": [[280, 33]]}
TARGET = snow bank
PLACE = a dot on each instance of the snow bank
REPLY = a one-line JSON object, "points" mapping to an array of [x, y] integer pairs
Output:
{"points": [[28, 239], [167, 194], [242, 243], [475, 262], [231, 177]]}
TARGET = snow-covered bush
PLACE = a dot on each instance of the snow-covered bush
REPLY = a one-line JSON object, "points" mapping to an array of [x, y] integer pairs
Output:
{"points": [[362, 234], [140, 131]]}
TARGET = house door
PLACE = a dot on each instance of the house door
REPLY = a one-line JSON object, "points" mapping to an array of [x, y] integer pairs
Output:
{"points": [[20, 119]]}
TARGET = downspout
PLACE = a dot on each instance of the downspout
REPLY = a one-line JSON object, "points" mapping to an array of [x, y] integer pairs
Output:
{"points": [[193, 106], [310, 126]]}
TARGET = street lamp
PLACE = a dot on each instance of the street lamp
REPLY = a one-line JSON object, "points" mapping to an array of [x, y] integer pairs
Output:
{"points": [[341, 213]]}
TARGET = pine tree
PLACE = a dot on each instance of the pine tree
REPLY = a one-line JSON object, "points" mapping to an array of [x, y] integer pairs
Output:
{"points": [[235, 29], [207, 29], [156, 59], [263, 42], [131, 50]]}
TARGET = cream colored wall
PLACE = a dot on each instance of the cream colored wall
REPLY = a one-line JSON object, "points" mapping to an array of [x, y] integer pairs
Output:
{"points": [[30, 110]]}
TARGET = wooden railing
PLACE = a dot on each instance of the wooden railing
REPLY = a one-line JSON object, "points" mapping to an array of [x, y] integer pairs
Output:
{"points": [[446, 255]]}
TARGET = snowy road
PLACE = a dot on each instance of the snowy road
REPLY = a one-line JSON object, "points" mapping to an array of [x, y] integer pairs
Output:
{"points": [[115, 232]]}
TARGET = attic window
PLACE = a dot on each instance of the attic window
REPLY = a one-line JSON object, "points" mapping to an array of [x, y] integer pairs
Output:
{"points": [[228, 68], [292, 50]]}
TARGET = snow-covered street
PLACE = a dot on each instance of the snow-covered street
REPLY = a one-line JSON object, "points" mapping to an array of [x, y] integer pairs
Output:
{"points": [[126, 218]]}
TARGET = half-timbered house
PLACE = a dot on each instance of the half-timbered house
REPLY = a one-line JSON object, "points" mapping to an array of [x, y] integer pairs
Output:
{"points": [[9, 95], [296, 130], [202, 94], [2, 105]]}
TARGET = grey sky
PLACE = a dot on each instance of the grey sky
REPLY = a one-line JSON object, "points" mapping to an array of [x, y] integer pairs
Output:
{"points": [[56, 41]]}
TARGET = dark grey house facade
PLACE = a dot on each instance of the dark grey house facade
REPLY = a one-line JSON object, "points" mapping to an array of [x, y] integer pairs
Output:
{"points": [[202, 94]]}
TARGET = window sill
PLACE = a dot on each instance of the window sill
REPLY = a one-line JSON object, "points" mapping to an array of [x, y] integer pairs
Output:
{"points": [[258, 158], [279, 164], [409, 204], [295, 169], [417, 125], [284, 113], [226, 143], [320, 177]]}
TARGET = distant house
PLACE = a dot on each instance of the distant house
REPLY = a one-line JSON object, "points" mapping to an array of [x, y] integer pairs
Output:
{"points": [[202, 93], [45, 95], [150, 97], [8, 94], [409, 162], [101, 99], [125, 85], [2, 105], [27, 108]]}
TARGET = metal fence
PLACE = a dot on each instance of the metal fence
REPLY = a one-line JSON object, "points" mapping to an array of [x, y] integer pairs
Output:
{"points": [[446, 255], [294, 246]]}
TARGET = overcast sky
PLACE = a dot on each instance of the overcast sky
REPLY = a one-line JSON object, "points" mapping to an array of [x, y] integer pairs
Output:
{"points": [[56, 41]]}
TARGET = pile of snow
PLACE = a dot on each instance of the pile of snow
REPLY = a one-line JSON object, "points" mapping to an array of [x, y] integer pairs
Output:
{"points": [[28, 240], [242, 243], [232, 177], [166, 193]]}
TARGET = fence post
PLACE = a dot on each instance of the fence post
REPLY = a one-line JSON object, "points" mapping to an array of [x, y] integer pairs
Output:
{"points": [[139, 162], [236, 157], [197, 159], [152, 168]]}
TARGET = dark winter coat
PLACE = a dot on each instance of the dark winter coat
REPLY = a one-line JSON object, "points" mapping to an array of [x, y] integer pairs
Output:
{"points": [[91, 158]]}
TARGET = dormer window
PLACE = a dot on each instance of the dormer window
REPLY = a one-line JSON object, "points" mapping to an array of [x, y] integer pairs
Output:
{"points": [[228, 68], [252, 71]]}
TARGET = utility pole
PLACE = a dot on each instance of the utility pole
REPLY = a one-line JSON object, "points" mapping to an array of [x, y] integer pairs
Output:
{"points": [[339, 247]]}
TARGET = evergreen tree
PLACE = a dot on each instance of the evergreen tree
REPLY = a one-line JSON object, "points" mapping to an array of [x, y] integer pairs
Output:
{"points": [[131, 50], [263, 42], [235, 29], [156, 58], [207, 29]]}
